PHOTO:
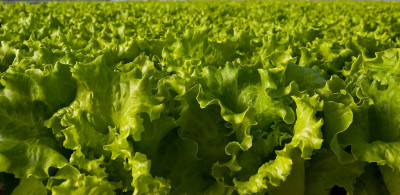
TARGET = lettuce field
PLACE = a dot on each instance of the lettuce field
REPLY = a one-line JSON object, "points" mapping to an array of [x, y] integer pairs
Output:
{"points": [[214, 98]]}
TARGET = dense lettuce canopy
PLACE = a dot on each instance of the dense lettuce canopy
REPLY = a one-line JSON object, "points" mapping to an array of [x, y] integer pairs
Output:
{"points": [[200, 98]]}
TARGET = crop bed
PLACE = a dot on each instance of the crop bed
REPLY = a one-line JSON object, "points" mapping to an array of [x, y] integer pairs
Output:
{"points": [[277, 98]]}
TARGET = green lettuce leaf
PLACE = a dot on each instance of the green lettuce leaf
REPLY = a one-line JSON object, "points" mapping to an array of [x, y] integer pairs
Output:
{"points": [[74, 182], [325, 172], [30, 186], [307, 137]]}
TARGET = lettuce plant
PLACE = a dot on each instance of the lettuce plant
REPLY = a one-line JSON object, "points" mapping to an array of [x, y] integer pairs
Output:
{"points": [[210, 98]]}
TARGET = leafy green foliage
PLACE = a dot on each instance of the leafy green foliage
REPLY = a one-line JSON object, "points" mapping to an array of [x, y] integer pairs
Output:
{"points": [[200, 98]]}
